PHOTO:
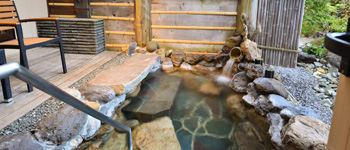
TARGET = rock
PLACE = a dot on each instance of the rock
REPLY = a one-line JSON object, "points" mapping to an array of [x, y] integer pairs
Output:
{"points": [[252, 95], [247, 142], [250, 50], [124, 80], [273, 103], [333, 59], [235, 107], [167, 64], [98, 94], [210, 88], [290, 112], [152, 46], [73, 92], [304, 132], [19, 141], [93, 105], [168, 53], [231, 43], [276, 125], [270, 86], [221, 60], [207, 64], [254, 71], [61, 126], [317, 64], [135, 92], [306, 58], [186, 67], [177, 58], [158, 134], [109, 108], [132, 123], [141, 50], [131, 48], [329, 92], [209, 58], [91, 128], [321, 70], [193, 59], [161, 53], [73, 143], [204, 69], [240, 82]]}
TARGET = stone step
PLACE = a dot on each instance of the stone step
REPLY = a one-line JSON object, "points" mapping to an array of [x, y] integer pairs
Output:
{"points": [[154, 99], [124, 79]]}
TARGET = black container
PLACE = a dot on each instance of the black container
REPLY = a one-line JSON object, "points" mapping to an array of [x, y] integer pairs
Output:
{"points": [[269, 73]]}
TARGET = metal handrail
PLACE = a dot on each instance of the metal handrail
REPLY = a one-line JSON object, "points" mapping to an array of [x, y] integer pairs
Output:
{"points": [[25, 75]]}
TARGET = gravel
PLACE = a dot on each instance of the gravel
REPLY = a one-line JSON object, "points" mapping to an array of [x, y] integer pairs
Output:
{"points": [[300, 83], [29, 121]]}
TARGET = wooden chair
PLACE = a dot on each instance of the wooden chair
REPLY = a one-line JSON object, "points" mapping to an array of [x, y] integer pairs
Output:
{"points": [[9, 19]]}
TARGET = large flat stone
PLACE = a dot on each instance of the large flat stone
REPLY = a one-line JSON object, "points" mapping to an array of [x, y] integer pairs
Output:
{"points": [[155, 98], [124, 79]]}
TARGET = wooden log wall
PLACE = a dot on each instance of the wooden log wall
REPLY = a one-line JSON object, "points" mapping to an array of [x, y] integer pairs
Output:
{"points": [[61, 8], [193, 25], [119, 19], [280, 22]]}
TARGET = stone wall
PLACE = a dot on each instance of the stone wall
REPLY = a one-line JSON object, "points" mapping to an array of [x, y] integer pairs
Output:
{"points": [[79, 36]]}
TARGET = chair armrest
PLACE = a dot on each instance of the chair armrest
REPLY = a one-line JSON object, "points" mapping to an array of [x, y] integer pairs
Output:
{"points": [[39, 19], [13, 24]]}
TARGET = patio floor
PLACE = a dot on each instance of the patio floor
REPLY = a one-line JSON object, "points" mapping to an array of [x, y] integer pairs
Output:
{"points": [[46, 63]]}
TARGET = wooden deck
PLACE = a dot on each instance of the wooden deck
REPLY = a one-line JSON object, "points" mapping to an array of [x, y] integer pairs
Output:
{"points": [[46, 63]]}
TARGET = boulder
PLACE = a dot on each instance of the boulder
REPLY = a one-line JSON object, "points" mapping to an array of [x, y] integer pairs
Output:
{"points": [[140, 50], [90, 128], [272, 103], [221, 60], [204, 69], [152, 46], [135, 92], [207, 64], [240, 82], [158, 134], [209, 58], [235, 107], [186, 67], [247, 142], [167, 64], [73, 92], [161, 53], [270, 86], [290, 112], [132, 123], [252, 94], [109, 108], [306, 58], [250, 50], [304, 132], [61, 126], [231, 43], [254, 71], [276, 125], [193, 59], [19, 141], [333, 59], [177, 58], [99, 94], [168, 53], [131, 48]]}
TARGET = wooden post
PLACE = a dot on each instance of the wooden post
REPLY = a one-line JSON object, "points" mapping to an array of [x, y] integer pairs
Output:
{"points": [[339, 135], [250, 9], [82, 8], [143, 21]]}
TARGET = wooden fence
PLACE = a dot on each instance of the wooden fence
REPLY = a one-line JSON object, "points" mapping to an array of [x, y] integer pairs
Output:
{"points": [[280, 22]]}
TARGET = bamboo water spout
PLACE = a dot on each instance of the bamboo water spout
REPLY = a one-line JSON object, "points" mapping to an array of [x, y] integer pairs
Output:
{"points": [[236, 54]]}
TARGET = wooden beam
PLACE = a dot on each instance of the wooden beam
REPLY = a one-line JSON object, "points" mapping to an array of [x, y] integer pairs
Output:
{"points": [[114, 18], [192, 27], [188, 42], [113, 4], [143, 22], [63, 16], [120, 32], [116, 45], [201, 53], [61, 4], [196, 13]]}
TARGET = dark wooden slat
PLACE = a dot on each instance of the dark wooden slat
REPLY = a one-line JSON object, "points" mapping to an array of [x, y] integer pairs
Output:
{"points": [[60, 1], [8, 15], [58, 10], [4, 9]]}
